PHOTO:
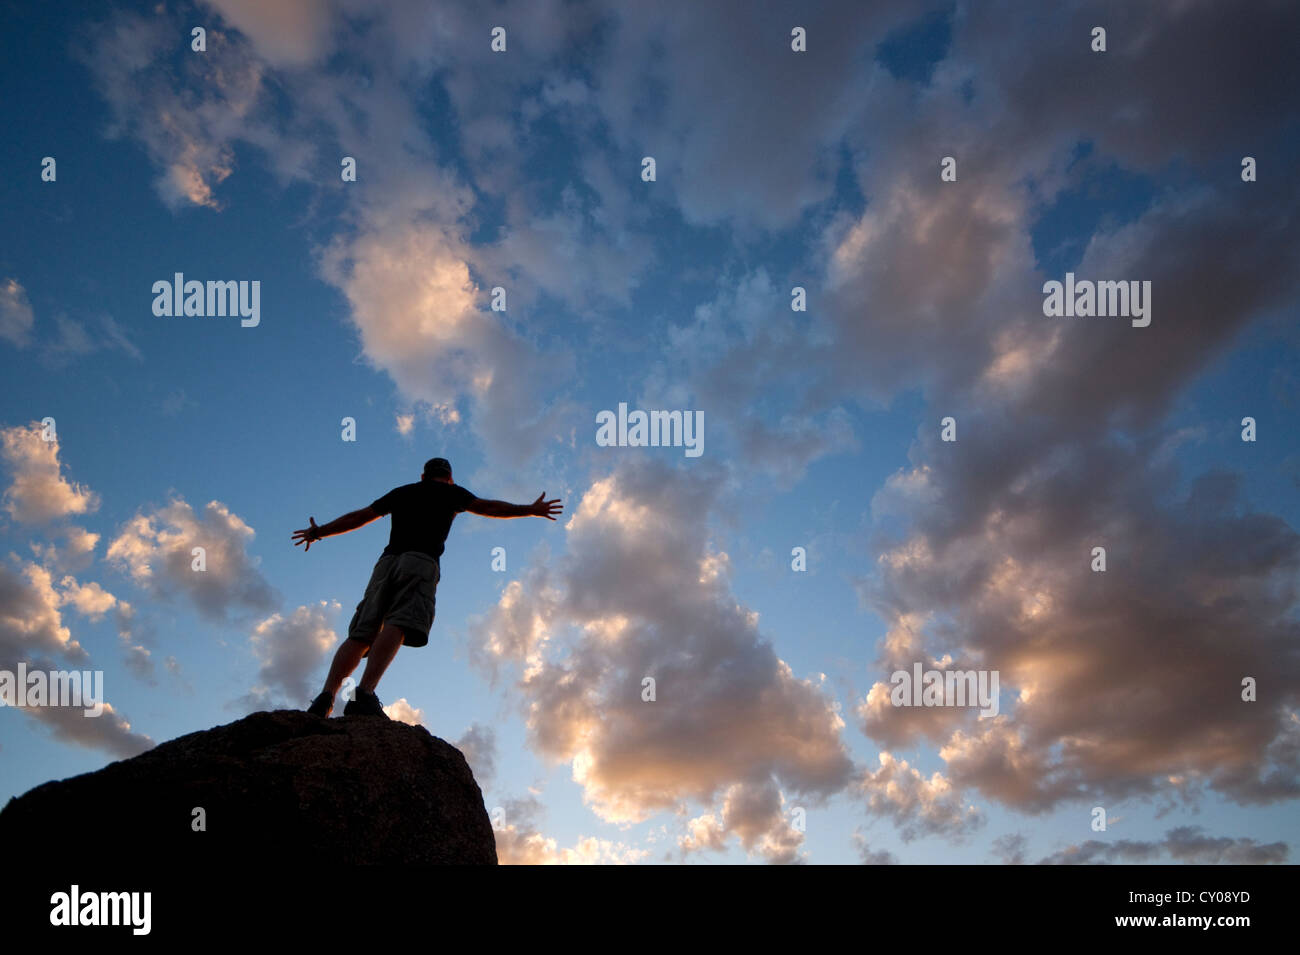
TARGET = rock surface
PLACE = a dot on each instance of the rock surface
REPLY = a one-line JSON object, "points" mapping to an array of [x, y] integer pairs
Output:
{"points": [[282, 788]]}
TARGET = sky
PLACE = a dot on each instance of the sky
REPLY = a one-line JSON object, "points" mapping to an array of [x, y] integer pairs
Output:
{"points": [[914, 467]]}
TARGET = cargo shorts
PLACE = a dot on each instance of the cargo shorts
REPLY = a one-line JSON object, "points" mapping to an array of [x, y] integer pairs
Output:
{"points": [[401, 592]]}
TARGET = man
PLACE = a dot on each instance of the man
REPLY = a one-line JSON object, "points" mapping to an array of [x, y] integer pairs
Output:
{"points": [[398, 605]]}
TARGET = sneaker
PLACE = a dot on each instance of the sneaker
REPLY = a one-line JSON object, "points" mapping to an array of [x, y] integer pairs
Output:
{"points": [[323, 705], [365, 704]]}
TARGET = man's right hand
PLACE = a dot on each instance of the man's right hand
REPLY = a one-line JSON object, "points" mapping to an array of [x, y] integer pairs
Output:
{"points": [[307, 535]]}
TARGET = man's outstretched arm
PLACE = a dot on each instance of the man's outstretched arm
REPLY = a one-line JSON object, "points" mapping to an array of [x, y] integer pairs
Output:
{"points": [[348, 522], [539, 508]]}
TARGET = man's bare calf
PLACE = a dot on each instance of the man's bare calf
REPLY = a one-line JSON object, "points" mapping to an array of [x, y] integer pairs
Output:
{"points": [[387, 642]]}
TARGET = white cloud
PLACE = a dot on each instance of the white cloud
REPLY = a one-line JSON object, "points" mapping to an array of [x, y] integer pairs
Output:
{"points": [[640, 594], [37, 491], [189, 133], [156, 550], [30, 621], [420, 319], [32, 628], [917, 805], [402, 711], [292, 651], [75, 553], [519, 842], [90, 599], [755, 814], [16, 317]]}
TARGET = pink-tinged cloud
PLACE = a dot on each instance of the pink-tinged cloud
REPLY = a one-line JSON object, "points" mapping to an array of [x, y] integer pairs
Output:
{"points": [[157, 550], [640, 594], [38, 492]]}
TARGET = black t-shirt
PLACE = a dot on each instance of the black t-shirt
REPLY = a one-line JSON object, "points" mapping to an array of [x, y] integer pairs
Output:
{"points": [[422, 515]]}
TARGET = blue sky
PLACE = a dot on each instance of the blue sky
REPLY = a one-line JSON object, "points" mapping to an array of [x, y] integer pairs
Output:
{"points": [[775, 169]]}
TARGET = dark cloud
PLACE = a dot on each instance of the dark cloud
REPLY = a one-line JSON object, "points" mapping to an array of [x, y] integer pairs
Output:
{"points": [[870, 856], [479, 744], [1186, 844], [291, 650], [1125, 683], [1011, 848], [32, 631]]}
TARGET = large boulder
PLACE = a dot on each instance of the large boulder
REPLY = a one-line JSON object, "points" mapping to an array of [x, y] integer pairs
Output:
{"points": [[279, 788]]}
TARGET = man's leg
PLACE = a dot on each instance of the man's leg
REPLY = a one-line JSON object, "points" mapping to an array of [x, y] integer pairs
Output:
{"points": [[346, 659], [382, 652]]}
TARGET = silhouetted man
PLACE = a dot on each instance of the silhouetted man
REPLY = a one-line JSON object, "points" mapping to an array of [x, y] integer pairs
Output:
{"points": [[398, 605]]}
